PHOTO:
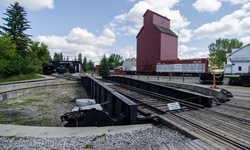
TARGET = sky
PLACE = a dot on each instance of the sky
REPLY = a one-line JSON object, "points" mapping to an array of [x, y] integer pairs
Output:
{"points": [[97, 27]]}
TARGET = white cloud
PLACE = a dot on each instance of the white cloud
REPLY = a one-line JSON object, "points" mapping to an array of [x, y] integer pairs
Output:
{"points": [[185, 52], [246, 6], [185, 35], [80, 41], [128, 52], [207, 5], [236, 24], [236, 2], [131, 0], [245, 40], [162, 7], [31, 4]]}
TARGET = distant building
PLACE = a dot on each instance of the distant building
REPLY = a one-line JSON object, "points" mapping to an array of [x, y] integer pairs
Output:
{"points": [[71, 66], [128, 65], [155, 42], [238, 62]]}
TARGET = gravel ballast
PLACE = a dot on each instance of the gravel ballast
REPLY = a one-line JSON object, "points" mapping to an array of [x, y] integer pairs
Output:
{"points": [[154, 135]]}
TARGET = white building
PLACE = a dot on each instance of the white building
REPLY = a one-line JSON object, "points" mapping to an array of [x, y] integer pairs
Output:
{"points": [[128, 65], [238, 62]]}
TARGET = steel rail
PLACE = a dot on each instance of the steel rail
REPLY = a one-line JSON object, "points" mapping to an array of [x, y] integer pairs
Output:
{"points": [[213, 133], [241, 120], [164, 97]]}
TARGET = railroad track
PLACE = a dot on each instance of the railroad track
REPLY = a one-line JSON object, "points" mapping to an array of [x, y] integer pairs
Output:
{"points": [[218, 129]]}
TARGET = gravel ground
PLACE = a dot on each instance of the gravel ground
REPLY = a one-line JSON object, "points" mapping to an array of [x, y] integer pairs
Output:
{"points": [[147, 136], [44, 106], [41, 106]]}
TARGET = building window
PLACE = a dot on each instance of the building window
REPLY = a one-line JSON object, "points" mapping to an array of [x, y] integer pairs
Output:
{"points": [[239, 68]]}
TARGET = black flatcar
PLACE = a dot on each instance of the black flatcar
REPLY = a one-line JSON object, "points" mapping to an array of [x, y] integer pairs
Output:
{"points": [[242, 80]]}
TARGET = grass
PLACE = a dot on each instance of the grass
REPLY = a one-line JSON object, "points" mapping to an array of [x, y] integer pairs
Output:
{"points": [[10, 137], [231, 76], [90, 145], [20, 77], [9, 117], [36, 122], [28, 101], [98, 136]]}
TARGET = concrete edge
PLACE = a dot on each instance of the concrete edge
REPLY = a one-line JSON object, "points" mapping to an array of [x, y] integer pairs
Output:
{"points": [[216, 93], [35, 131]]}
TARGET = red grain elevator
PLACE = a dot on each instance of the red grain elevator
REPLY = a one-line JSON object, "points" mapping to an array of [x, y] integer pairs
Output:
{"points": [[155, 42]]}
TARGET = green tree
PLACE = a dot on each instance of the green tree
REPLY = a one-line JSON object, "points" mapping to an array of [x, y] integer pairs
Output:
{"points": [[85, 64], [219, 49], [104, 67], [7, 53], [20, 65], [39, 54], [60, 56], [91, 65], [56, 57], [79, 58], [16, 24], [115, 60]]}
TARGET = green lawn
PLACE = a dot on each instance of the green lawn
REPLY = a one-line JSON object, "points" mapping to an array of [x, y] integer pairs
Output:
{"points": [[20, 77]]}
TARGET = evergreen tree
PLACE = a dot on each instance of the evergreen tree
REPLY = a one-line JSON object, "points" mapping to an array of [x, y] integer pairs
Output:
{"points": [[16, 24], [7, 53], [79, 57], [104, 67], [84, 64], [61, 56], [56, 57], [91, 65]]}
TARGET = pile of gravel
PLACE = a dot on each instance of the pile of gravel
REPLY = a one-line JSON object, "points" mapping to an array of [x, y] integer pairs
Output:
{"points": [[154, 135]]}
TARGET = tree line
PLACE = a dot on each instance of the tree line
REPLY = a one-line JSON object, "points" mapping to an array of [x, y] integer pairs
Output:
{"points": [[18, 53]]}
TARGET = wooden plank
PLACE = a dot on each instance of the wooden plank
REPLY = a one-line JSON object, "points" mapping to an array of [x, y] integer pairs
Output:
{"points": [[196, 145], [126, 148], [172, 146], [194, 132], [181, 147], [204, 144], [190, 146], [160, 147]]}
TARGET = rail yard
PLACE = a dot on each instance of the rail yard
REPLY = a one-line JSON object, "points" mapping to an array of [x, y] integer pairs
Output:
{"points": [[215, 125]]}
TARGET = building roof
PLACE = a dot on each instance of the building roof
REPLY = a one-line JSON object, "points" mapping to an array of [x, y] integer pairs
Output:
{"points": [[155, 14], [166, 30], [240, 49]]}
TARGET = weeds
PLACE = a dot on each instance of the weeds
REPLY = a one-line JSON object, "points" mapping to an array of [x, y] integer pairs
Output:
{"points": [[20, 77], [90, 145]]}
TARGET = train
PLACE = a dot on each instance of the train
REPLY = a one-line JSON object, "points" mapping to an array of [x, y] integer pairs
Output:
{"points": [[242, 80], [61, 67], [193, 66], [48, 68]]}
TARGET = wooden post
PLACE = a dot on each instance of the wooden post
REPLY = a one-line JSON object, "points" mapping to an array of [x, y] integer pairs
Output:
{"points": [[214, 82]]}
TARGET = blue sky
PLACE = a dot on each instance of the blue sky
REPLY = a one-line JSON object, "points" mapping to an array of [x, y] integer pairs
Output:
{"points": [[97, 27]]}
